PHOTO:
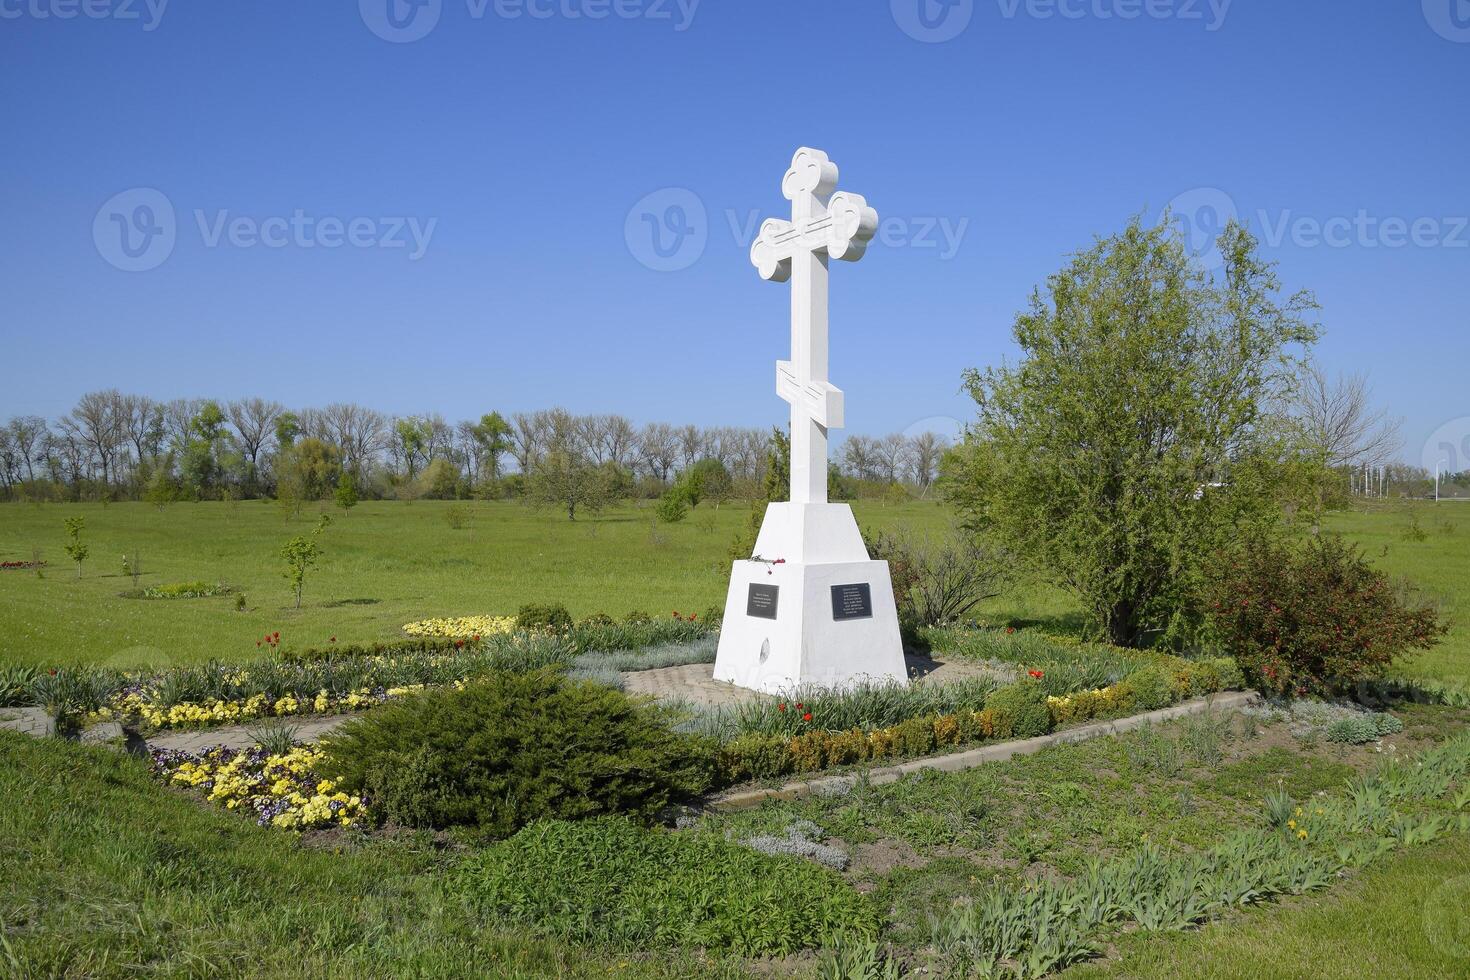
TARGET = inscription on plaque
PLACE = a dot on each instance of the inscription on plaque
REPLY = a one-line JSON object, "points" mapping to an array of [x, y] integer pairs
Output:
{"points": [[760, 602], [852, 601]]}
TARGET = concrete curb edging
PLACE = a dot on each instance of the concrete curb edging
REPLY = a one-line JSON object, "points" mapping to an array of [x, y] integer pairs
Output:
{"points": [[970, 758]]}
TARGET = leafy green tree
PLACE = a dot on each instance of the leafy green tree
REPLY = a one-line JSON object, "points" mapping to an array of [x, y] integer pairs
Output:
{"points": [[493, 433], [346, 493], [412, 435], [301, 554], [1134, 437], [566, 479], [439, 481], [75, 548], [673, 506], [288, 427]]}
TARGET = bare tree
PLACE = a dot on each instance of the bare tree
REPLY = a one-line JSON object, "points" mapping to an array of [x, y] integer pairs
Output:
{"points": [[619, 440], [1340, 423], [658, 448], [860, 456], [254, 421], [691, 444], [143, 425], [360, 433], [528, 438], [925, 451], [892, 453], [97, 423], [28, 433], [178, 420]]}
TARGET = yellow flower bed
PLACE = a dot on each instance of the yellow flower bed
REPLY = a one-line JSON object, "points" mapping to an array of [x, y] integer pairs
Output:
{"points": [[461, 627], [280, 790]]}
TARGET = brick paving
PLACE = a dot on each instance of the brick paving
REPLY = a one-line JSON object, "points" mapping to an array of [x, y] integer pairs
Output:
{"points": [[27, 721]]}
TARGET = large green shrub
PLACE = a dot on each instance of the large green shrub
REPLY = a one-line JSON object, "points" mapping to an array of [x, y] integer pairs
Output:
{"points": [[1312, 618], [513, 748], [609, 882]]}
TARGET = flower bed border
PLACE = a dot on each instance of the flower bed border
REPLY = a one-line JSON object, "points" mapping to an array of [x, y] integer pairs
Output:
{"points": [[970, 758]]}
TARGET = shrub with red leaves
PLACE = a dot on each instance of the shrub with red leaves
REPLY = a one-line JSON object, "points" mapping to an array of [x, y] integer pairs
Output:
{"points": [[1312, 618]]}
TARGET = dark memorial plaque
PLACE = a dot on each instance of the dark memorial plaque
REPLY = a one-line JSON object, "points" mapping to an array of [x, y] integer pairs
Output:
{"points": [[852, 601], [760, 602]]}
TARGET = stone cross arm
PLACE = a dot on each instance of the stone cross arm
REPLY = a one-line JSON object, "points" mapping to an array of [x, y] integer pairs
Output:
{"points": [[839, 224]]}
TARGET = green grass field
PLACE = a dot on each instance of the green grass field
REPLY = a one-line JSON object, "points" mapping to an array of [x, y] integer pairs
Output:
{"points": [[106, 873], [385, 564], [388, 563]]}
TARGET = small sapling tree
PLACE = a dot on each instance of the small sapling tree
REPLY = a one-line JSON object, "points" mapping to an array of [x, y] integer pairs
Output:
{"points": [[301, 554], [346, 492], [76, 549]]}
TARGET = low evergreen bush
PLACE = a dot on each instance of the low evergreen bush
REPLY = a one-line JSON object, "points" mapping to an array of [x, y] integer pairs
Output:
{"points": [[1019, 711], [611, 883], [513, 748], [551, 616]]}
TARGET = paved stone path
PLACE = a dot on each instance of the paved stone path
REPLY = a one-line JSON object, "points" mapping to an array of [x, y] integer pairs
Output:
{"points": [[27, 721], [690, 682], [695, 682], [308, 729]]}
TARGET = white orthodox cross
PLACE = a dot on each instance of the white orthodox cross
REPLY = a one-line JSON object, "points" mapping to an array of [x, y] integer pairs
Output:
{"points": [[823, 225]]}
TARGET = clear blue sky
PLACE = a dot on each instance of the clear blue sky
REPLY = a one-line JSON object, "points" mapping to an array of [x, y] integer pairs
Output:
{"points": [[530, 141]]}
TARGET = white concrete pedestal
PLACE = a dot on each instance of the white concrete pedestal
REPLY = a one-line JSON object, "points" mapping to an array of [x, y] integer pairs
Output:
{"points": [[805, 633]]}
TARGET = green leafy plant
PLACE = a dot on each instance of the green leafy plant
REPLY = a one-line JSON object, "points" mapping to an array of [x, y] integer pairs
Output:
{"points": [[301, 554], [611, 883], [75, 548], [549, 616], [1020, 711], [513, 748], [1363, 728], [185, 590], [1312, 618]]}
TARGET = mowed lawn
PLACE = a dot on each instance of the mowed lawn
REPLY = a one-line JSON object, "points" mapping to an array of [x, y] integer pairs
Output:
{"points": [[384, 564], [388, 562]]}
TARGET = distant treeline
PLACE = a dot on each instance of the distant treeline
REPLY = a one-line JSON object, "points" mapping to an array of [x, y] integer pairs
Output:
{"points": [[115, 446]]}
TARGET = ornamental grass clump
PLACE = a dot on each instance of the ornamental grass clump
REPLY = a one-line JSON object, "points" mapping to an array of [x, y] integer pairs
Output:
{"points": [[512, 748], [611, 883]]}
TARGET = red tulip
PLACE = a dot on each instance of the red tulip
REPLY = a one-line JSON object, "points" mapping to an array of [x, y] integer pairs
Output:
{"points": [[781, 706], [1036, 674], [807, 716]]}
